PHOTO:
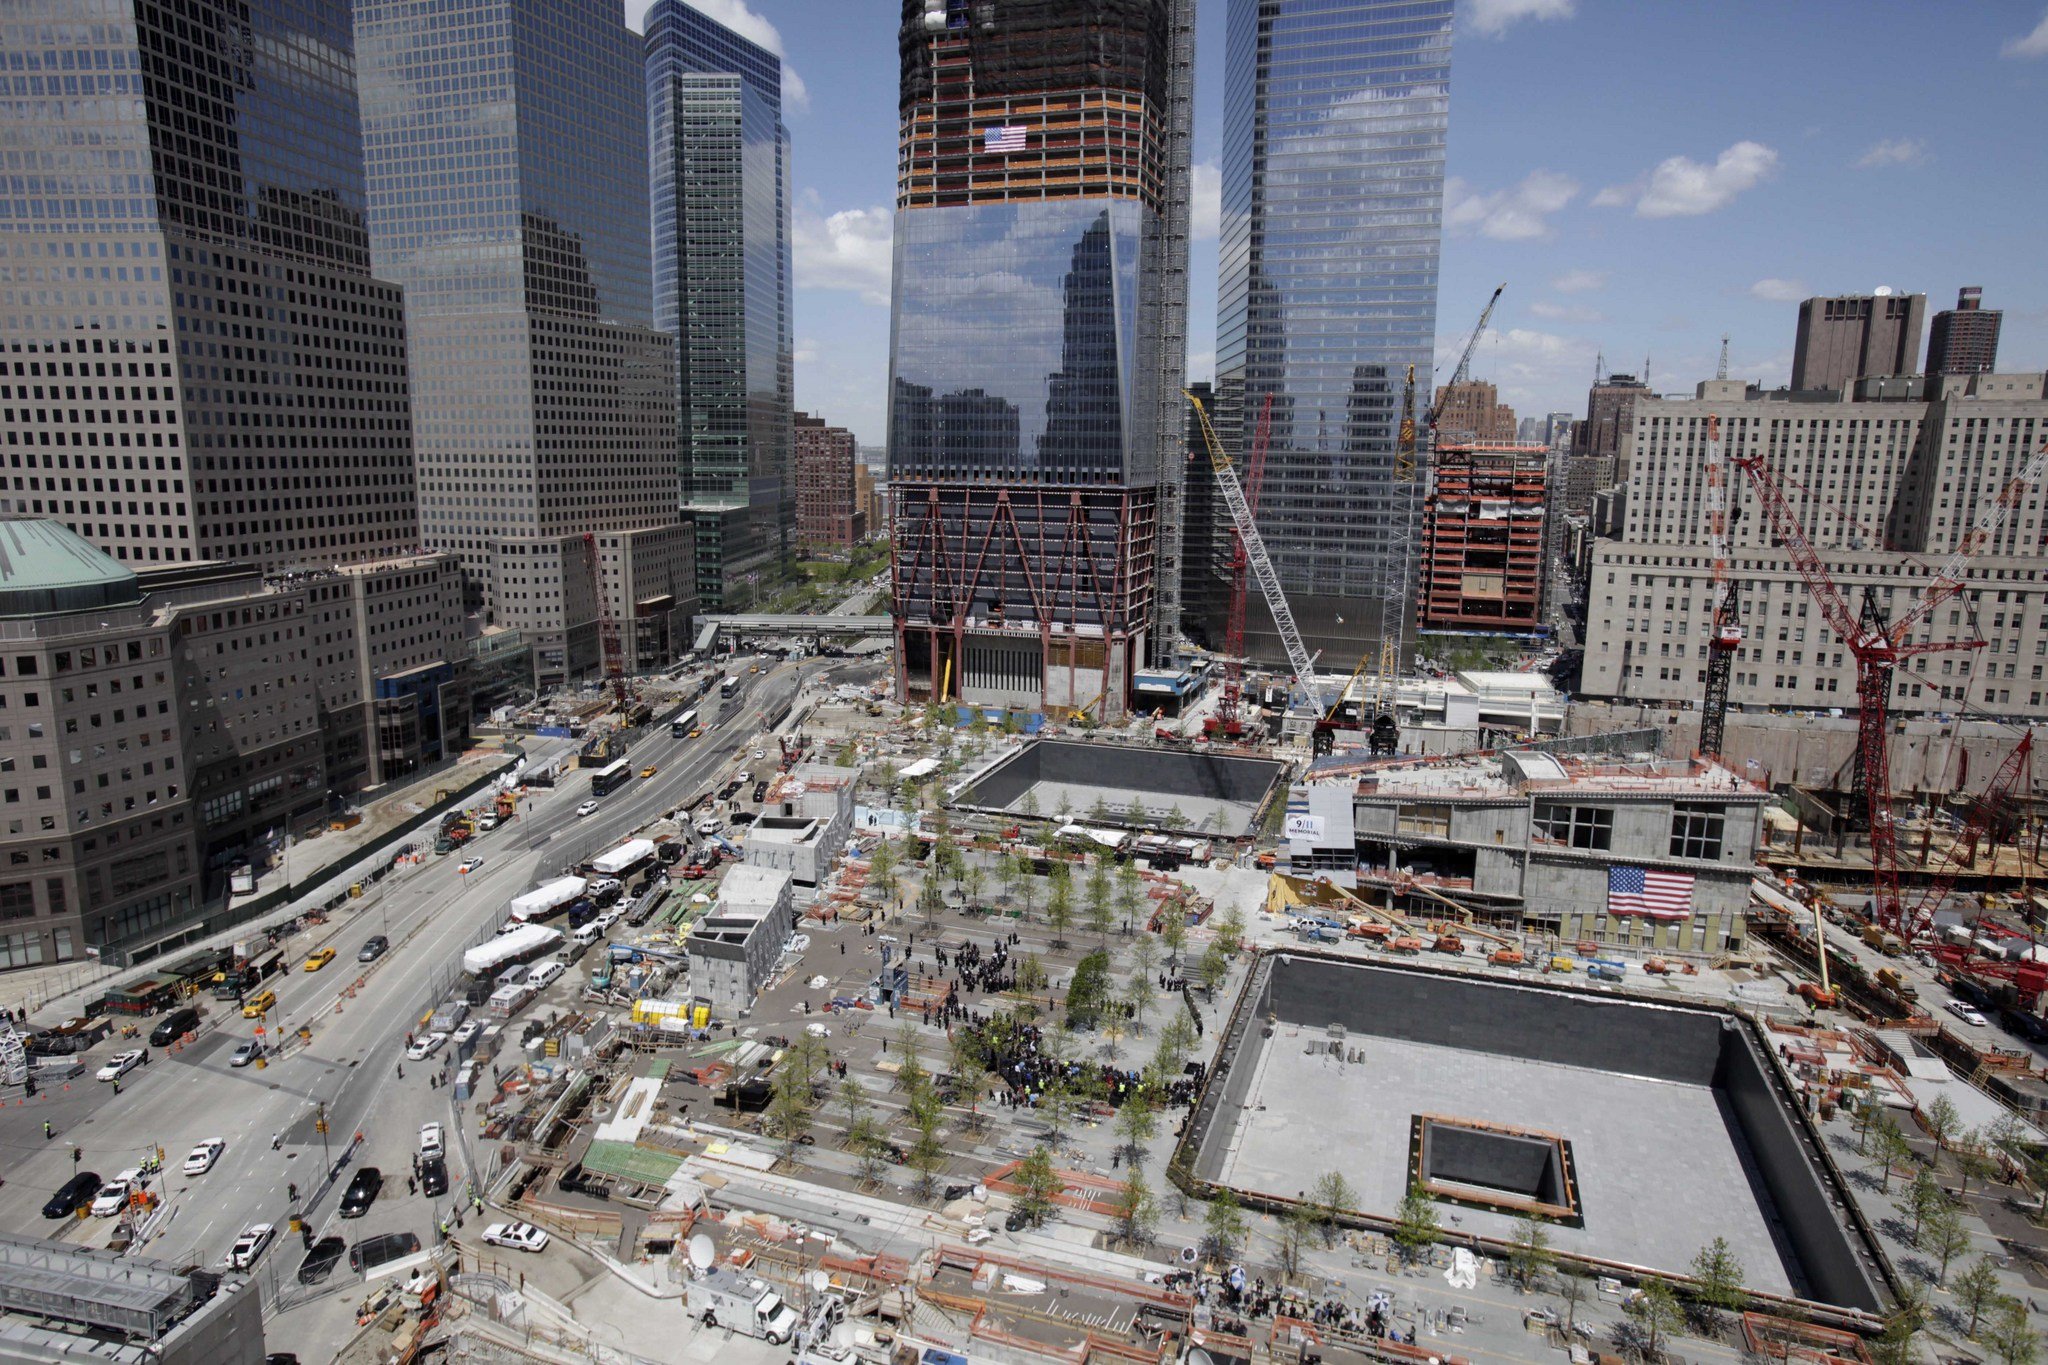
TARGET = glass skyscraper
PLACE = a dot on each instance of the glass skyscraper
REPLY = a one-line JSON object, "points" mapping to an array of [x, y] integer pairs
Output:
{"points": [[507, 152], [719, 173], [1334, 120], [1037, 347]]}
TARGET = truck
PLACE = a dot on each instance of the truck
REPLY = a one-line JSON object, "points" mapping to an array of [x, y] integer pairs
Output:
{"points": [[1883, 940], [1890, 978], [722, 1297], [522, 944], [546, 899], [627, 857]]}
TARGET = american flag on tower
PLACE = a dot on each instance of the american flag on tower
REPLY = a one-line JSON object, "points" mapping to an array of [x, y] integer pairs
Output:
{"points": [[1008, 138], [1641, 891]]}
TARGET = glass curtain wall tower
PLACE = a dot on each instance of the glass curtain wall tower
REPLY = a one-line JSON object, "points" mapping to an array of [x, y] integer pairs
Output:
{"points": [[719, 172], [1038, 347], [1334, 119]]}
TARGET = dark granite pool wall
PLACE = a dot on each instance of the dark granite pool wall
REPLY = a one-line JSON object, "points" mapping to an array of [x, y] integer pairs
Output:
{"points": [[1170, 772]]}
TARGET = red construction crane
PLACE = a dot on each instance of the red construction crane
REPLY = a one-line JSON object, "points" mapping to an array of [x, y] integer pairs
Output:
{"points": [[1228, 720], [1979, 823], [1879, 648], [608, 631]]}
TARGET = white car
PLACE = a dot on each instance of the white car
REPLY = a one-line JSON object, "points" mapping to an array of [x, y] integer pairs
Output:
{"points": [[248, 1052], [425, 1046], [201, 1158], [710, 824], [430, 1140], [113, 1196], [1967, 1013], [607, 918], [468, 1031], [469, 865], [250, 1245], [518, 1236], [120, 1064], [587, 808], [743, 777]]}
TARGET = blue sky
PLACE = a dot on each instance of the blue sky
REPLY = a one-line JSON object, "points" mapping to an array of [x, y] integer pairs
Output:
{"points": [[1644, 177]]}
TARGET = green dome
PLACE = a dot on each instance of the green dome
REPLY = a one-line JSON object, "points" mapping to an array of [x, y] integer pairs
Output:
{"points": [[47, 568]]}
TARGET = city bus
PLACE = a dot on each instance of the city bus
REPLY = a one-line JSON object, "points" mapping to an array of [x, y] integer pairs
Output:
{"points": [[608, 779], [682, 725], [730, 687]]}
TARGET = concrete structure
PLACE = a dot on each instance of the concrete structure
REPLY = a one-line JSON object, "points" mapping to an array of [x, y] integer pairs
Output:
{"points": [[830, 513], [804, 822], [1472, 413], [1038, 347], [1964, 339], [543, 399], [1483, 541], [1856, 336], [1885, 488], [1672, 1123], [61, 1303], [1214, 794], [1334, 127], [723, 288], [734, 948], [1526, 839]]}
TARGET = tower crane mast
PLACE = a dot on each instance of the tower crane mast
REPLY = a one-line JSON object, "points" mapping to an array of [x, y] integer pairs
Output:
{"points": [[1724, 633]]}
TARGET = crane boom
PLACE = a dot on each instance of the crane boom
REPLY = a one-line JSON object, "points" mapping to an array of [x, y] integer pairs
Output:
{"points": [[1464, 370], [1261, 562], [1948, 579]]}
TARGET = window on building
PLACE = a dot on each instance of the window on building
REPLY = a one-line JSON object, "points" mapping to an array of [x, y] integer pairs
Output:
{"points": [[1578, 826], [1696, 831]]}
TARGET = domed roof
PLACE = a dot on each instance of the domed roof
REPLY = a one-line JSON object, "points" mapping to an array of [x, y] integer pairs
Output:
{"points": [[47, 568]]}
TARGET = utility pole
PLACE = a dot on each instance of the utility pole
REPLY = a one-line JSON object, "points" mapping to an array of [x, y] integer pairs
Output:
{"points": [[320, 1127]]}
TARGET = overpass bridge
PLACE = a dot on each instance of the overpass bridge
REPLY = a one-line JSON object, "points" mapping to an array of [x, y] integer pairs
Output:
{"points": [[766, 624]]}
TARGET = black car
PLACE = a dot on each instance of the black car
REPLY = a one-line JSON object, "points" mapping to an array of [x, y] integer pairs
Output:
{"points": [[760, 790], [173, 1026], [75, 1194], [321, 1259], [372, 1252], [361, 1192], [433, 1176], [375, 947]]}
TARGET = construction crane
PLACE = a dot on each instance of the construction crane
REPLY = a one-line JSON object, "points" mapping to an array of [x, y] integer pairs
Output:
{"points": [[1463, 373], [608, 631], [1981, 822], [1879, 648], [1724, 634], [1261, 562], [1229, 718]]}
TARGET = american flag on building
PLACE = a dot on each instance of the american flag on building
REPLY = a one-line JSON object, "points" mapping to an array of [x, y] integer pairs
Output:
{"points": [[1642, 891], [1008, 138]]}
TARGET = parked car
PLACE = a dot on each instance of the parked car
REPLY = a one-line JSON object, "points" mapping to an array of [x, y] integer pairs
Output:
{"points": [[433, 1177], [248, 1052], [73, 1195], [251, 1244], [201, 1158], [321, 1258], [174, 1026], [113, 1196], [468, 1030], [373, 948], [1969, 1014], [121, 1063], [361, 1192], [425, 1046], [315, 961], [518, 1236], [372, 1252], [587, 808], [431, 1143]]}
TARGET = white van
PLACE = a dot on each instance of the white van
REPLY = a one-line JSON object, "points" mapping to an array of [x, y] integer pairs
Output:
{"points": [[544, 973], [588, 934]]}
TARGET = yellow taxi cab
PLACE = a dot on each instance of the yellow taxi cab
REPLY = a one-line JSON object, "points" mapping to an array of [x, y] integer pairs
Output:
{"points": [[649, 770], [319, 959], [256, 1006]]}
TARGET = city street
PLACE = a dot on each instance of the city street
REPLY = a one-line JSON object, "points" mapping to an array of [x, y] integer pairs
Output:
{"points": [[430, 912]]}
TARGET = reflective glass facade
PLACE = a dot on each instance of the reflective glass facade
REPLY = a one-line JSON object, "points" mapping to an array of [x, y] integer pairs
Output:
{"points": [[719, 175], [1335, 116]]}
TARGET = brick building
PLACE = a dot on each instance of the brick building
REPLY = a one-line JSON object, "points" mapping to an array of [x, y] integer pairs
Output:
{"points": [[829, 514]]}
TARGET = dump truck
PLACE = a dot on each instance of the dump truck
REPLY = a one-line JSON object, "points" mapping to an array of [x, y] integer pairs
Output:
{"points": [[1889, 978], [723, 1297]]}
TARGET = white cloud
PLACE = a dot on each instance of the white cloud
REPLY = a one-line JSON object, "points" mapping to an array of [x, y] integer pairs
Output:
{"points": [[796, 96], [1579, 281], [1566, 312], [1536, 371], [1201, 366], [849, 250], [2034, 44], [1903, 151], [741, 18], [1778, 291], [806, 351], [1205, 209], [1516, 214], [1679, 187], [1492, 18]]}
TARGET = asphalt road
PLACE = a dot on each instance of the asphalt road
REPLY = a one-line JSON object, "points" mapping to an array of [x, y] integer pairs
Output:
{"points": [[430, 912]]}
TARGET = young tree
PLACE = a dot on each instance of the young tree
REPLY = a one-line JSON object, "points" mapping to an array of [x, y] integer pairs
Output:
{"points": [[1088, 993], [2013, 1339], [1717, 1282], [1096, 892], [1059, 909], [864, 1139], [971, 1080], [1908, 1316], [929, 899], [1941, 1119], [1944, 1237], [1027, 883], [1212, 969], [1031, 977], [927, 1155], [1923, 1197], [1529, 1255], [1038, 1185], [1892, 1149], [972, 881], [1974, 1161], [1297, 1231], [910, 1075], [1144, 954], [1134, 1209], [1415, 1225], [1976, 1290], [882, 868], [1173, 931], [1138, 995], [1113, 1031], [1655, 1311], [1007, 877], [1056, 1101], [854, 1096], [1136, 1122], [1572, 1290], [1176, 1041], [1130, 892], [1222, 1224], [789, 1110], [1868, 1111], [1332, 1197], [1099, 811]]}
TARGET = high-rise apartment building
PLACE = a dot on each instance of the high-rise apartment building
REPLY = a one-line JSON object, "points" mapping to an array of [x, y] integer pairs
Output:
{"points": [[829, 514], [1885, 488], [1964, 339], [1857, 336], [1472, 412], [1038, 348], [1334, 122], [719, 175], [507, 153]]}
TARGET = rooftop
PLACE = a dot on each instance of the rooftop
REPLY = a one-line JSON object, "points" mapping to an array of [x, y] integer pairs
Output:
{"points": [[785, 829], [750, 885], [1524, 772], [47, 568]]}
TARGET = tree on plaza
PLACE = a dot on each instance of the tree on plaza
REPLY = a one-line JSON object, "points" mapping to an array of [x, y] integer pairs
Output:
{"points": [[927, 1155], [910, 1075], [1134, 1209], [1173, 931], [972, 881], [1973, 1160], [891, 782], [1869, 1110], [882, 868], [1941, 1119], [1136, 1122], [929, 898], [854, 1096], [1571, 1290], [1176, 819], [2013, 1338], [1088, 993], [1212, 969], [1113, 1030], [1655, 1312], [1895, 1346], [1027, 882], [1031, 803], [1135, 814], [1944, 1237], [1097, 894], [1229, 930], [1176, 1043], [971, 1080], [1977, 1289], [1038, 1185], [1099, 811], [1297, 1230], [1031, 977], [1892, 1148], [1007, 877], [789, 1110], [1415, 1226], [1222, 1224], [1138, 995], [1145, 953], [864, 1139], [1332, 1197], [1059, 908], [1529, 1253], [1717, 1282], [1056, 1100], [1922, 1197]]}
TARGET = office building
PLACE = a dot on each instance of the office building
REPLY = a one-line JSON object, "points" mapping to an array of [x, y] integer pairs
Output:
{"points": [[829, 514], [1964, 339], [1334, 121], [510, 201], [719, 176], [1471, 411], [1557, 430], [1885, 481], [1483, 539], [1855, 336], [1208, 540], [1038, 344], [1610, 418]]}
